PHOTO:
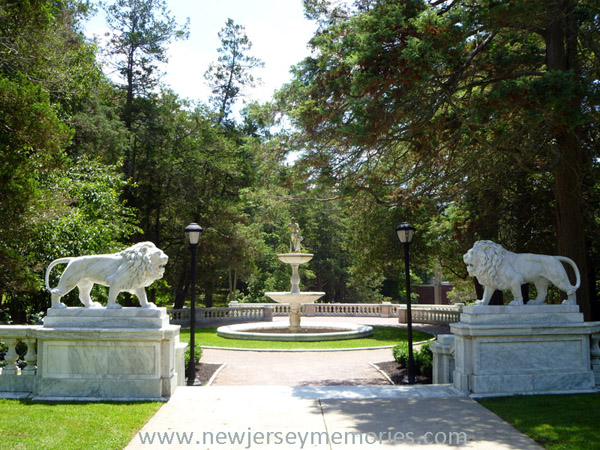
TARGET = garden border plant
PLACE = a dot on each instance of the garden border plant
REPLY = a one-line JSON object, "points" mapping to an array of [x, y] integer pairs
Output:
{"points": [[423, 358]]}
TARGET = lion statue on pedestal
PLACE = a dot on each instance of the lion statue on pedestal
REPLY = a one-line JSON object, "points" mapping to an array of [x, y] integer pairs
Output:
{"points": [[497, 268], [130, 270]]}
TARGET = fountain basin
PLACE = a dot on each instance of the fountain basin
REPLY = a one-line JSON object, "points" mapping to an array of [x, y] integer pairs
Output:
{"points": [[295, 258], [269, 331], [295, 298]]}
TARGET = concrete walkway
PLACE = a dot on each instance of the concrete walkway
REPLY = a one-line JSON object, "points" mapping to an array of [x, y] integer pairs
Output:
{"points": [[327, 418], [310, 368], [245, 368], [321, 400]]}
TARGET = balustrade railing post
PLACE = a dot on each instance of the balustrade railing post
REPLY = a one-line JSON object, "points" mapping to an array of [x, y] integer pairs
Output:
{"points": [[401, 315], [11, 358], [30, 358]]}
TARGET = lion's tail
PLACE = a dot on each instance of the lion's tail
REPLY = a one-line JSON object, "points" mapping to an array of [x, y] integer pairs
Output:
{"points": [[49, 269], [575, 269]]}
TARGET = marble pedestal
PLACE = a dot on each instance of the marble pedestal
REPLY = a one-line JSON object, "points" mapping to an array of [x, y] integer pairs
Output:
{"points": [[129, 353], [443, 359], [504, 350]]}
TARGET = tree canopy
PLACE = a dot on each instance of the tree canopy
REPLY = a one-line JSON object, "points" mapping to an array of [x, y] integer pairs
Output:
{"points": [[470, 119], [450, 100], [232, 73]]}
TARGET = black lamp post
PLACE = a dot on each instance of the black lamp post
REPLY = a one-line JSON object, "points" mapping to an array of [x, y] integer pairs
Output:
{"points": [[405, 232], [193, 232]]}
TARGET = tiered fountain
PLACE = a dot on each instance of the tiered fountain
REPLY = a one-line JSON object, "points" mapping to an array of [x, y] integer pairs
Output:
{"points": [[269, 331], [295, 298]]}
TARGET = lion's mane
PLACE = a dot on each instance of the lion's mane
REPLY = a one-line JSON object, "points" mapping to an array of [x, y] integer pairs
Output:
{"points": [[138, 268], [489, 265]]}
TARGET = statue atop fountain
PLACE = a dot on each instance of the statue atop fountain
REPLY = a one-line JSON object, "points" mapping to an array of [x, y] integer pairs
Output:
{"points": [[295, 298], [295, 237]]}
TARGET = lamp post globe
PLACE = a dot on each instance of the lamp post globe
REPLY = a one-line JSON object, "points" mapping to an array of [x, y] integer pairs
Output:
{"points": [[193, 232], [405, 233]]}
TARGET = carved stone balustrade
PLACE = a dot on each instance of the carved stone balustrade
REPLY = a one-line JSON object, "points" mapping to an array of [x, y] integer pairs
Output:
{"points": [[264, 312], [18, 372], [205, 316]]}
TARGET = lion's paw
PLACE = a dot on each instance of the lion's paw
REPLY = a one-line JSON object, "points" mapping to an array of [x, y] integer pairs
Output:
{"points": [[113, 306], [150, 305], [95, 305], [478, 302], [59, 305], [518, 302]]}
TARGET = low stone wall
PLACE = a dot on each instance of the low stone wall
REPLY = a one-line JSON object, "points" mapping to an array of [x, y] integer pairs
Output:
{"points": [[18, 373], [385, 309], [431, 314], [208, 316], [264, 312]]}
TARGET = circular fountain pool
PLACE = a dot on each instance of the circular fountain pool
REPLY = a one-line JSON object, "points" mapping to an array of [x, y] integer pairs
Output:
{"points": [[273, 331]]}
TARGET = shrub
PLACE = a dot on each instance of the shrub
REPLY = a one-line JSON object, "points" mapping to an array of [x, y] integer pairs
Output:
{"points": [[401, 354], [5, 318], [197, 354], [424, 361], [423, 358]]}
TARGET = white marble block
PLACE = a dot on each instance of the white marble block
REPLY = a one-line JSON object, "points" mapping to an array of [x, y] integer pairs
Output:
{"points": [[127, 353], [102, 318], [443, 359], [503, 350]]}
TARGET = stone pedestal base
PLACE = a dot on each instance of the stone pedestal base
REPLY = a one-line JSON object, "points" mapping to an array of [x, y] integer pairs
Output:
{"points": [[295, 318], [128, 353], [503, 350], [443, 359], [102, 318]]}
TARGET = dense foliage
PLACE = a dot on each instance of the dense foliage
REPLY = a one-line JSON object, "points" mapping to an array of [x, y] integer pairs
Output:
{"points": [[470, 119], [475, 119]]}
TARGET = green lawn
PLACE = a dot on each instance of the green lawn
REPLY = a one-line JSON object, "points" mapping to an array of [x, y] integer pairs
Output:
{"points": [[382, 336], [72, 425], [558, 422]]}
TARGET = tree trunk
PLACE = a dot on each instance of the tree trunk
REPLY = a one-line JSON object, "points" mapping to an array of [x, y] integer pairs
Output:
{"points": [[569, 216], [208, 296], [560, 37], [232, 284], [182, 290]]}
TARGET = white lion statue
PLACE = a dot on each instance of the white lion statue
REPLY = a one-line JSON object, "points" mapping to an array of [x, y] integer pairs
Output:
{"points": [[497, 268], [130, 270]]}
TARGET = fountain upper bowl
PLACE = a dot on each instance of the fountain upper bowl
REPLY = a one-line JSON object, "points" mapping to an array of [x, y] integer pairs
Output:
{"points": [[295, 258], [295, 298]]}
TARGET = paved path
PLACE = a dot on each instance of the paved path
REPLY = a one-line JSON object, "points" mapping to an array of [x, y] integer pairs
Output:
{"points": [[302, 400], [326, 418], [314, 368], [298, 368]]}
